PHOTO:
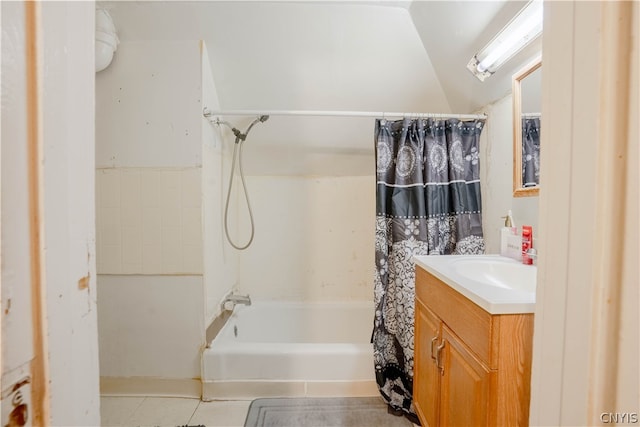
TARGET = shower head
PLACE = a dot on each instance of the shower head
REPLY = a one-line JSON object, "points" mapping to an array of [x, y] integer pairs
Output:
{"points": [[263, 118]]}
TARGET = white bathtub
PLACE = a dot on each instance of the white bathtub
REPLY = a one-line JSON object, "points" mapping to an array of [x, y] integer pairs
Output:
{"points": [[292, 349]]}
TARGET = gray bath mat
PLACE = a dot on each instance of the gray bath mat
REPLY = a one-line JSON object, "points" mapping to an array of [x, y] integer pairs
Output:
{"points": [[322, 412]]}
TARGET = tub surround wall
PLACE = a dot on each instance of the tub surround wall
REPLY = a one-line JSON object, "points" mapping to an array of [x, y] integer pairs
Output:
{"points": [[220, 265], [496, 161], [150, 186], [149, 221], [167, 315], [220, 261], [332, 217], [313, 240], [148, 106]]}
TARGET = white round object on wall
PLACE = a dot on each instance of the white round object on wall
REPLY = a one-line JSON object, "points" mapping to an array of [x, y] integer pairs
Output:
{"points": [[106, 39]]}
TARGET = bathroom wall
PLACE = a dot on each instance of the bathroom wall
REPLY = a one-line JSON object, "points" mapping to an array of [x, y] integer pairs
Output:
{"points": [[496, 157], [149, 187], [69, 210], [220, 266], [17, 318], [585, 348], [323, 250], [149, 221], [145, 106], [314, 233], [149, 272], [320, 56], [314, 237], [65, 99]]}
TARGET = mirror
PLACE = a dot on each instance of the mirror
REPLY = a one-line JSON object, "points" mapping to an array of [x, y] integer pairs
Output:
{"points": [[527, 103]]}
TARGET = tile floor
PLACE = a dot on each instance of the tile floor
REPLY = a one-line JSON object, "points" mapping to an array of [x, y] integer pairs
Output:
{"points": [[171, 412]]}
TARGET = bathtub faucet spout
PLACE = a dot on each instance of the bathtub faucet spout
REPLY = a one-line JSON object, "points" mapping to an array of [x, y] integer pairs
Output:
{"points": [[232, 300]]}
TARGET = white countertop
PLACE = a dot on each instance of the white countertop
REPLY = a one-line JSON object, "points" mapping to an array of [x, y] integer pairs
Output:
{"points": [[493, 299]]}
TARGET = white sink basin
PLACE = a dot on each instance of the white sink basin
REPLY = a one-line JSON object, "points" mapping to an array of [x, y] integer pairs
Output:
{"points": [[498, 284], [497, 272]]}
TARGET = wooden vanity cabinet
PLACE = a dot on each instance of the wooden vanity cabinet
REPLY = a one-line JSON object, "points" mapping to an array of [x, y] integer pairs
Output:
{"points": [[471, 368], [426, 377]]}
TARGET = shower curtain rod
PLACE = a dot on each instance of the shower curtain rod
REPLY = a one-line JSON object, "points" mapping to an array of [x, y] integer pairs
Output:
{"points": [[208, 113]]}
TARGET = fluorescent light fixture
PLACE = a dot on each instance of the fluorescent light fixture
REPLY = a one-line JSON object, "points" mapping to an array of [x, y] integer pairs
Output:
{"points": [[519, 32]]}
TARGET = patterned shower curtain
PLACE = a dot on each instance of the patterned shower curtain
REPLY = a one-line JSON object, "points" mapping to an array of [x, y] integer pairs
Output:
{"points": [[530, 151], [428, 202]]}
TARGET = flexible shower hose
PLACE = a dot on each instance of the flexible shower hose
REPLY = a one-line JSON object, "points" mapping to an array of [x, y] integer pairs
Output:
{"points": [[237, 149]]}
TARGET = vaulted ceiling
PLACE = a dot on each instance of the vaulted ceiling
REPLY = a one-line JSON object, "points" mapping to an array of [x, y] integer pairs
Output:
{"points": [[393, 56], [341, 55]]}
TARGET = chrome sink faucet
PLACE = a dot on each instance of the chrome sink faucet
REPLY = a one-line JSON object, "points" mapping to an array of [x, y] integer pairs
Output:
{"points": [[231, 300]]}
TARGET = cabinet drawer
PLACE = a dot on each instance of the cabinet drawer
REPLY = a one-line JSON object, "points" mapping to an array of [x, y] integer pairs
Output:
{"points": [[470, 322]]}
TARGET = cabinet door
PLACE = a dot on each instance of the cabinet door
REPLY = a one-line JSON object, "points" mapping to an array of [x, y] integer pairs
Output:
{"points": [[465, 385], [426, 381]]}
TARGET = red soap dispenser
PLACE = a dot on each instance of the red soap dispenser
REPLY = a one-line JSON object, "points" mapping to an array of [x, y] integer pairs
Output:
{"points": [[527, 243]]}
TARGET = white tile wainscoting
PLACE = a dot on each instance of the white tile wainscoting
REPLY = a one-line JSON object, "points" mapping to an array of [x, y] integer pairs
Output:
{"points": [[149, 221]]}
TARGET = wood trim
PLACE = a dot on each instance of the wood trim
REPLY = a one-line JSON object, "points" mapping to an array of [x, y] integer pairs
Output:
{"points": [[1, 256], [518, 190], [578, 292], [39, 365], [514, 359], [554, 222], [610, 191]]}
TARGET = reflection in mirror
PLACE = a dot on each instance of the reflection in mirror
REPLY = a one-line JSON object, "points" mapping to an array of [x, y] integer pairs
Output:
{"points": [[527, 84]]}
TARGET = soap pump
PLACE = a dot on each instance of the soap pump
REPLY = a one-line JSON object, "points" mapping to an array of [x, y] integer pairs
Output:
{"points": [[508, 221], [508, 246]]}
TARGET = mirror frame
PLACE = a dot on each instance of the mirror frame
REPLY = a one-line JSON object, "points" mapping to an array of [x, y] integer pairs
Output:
{"points": [[518, 189]]}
